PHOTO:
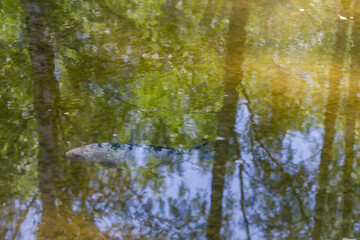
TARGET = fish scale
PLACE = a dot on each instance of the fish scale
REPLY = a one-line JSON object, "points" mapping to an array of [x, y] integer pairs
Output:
{"points": [[115, 154]]}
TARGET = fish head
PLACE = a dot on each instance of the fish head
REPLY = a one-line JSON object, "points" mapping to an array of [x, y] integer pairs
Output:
{"points": [[77, 153], [95, 153]]}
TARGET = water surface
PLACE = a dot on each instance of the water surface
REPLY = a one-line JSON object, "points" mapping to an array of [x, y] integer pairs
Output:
{"points": [[273, 86]]}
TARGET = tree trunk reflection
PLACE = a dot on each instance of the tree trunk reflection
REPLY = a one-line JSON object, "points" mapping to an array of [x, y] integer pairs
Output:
{"points": [[46, 92], [351, 115], [226, 117], [326, 158]]}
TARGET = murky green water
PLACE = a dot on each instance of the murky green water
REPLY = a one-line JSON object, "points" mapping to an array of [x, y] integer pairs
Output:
{"points": [[273, 86]]}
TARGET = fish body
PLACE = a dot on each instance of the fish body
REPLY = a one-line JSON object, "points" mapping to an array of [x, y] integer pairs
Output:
{"points": [[115, 154]]}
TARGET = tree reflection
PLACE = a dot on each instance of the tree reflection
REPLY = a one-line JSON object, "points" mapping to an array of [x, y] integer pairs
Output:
{"points": [[46, 98], [351, 111], [327, 156], [46, 92], [226, 116]]}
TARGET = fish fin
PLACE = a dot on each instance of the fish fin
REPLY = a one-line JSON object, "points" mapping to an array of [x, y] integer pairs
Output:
{"points": [[108, 164]]}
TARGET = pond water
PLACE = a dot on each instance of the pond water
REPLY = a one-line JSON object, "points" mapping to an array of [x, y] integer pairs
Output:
{"points": [[267, 90]]}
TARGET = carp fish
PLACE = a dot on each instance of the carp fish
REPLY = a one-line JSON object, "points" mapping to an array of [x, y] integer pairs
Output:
{"points": [[115, 154]]}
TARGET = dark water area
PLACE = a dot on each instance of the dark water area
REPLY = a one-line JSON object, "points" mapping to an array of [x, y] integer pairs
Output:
{"points": [[271, 86]]}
